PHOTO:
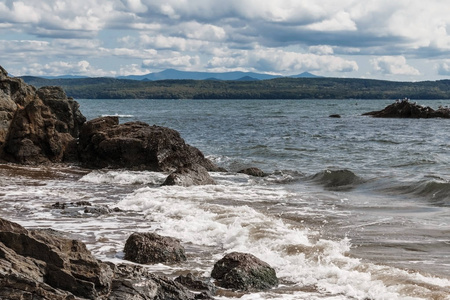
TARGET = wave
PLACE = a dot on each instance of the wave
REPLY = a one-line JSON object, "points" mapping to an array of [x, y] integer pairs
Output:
{"points": [[118, 115], [337, 179]]}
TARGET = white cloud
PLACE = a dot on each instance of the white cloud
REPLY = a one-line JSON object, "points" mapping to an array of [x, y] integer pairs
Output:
{"points": [[184, 62], [393, 65], [443, 67], [61, 67]]}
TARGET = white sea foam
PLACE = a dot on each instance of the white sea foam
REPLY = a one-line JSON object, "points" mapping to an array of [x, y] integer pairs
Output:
{"points": [[215, 217], [124, 177]]}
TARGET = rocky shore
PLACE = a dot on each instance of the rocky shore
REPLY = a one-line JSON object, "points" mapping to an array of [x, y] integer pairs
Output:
{"points": [[43, 126]]}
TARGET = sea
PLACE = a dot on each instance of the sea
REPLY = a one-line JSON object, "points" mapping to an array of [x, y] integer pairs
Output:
{"points": [[352, 208]]}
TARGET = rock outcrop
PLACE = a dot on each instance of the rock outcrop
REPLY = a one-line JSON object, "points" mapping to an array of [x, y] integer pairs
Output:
{"points": [[189, 175], [244, 272], [407, 109], [106, 143], [36, 126], [152, 248], [45, 126], [44, 265]]}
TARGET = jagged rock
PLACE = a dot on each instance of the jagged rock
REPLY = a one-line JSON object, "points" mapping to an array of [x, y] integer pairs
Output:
{"points": [[106, 143], [36, 126], [46, 261], [151, 248], [137, 283], [407, 109], [244, 272], [189, 175], [196, 284], [44, 265], [253, 172]]}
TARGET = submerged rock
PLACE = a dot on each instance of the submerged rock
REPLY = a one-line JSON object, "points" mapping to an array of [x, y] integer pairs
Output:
{"points": [[189, 175], [337, 179], [152, 248], [197, 284], [406, 109], [106, 143], [253, 171], [244, 272]]}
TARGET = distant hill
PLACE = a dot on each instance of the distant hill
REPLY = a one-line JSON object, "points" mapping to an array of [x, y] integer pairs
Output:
{"points": [[247, 87], [186, 75]]}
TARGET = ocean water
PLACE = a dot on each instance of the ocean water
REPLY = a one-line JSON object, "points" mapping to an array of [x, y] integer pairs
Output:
{"points": [[354, 207]]}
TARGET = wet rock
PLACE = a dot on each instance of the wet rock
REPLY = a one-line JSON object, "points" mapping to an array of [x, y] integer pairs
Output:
{"points": [[196, 284], [83, 209], [151, 248], [335, 116], [245, 272], [338, 179], [36, 126], [46, 262], [407, 109], [137, 283], [106, 143], [253, 172], [43, 264], [189, 175]]}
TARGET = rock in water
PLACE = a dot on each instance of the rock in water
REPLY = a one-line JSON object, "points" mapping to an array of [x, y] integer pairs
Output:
{"points": [[189, 175], [106, 143], [36, 126], [244, 272], [406, 109], [151, 248], [253, 171]]}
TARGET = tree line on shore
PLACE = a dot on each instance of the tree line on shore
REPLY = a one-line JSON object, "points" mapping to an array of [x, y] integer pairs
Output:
{"points": [[280, 88]]}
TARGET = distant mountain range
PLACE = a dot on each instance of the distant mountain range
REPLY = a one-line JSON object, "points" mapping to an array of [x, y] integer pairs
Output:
{"points": [[176, 74]]}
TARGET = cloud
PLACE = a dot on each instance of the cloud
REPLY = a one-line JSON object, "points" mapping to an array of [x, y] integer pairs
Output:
{"points": [[184, 62], [393, 65], [61, 67], [443, 67]]}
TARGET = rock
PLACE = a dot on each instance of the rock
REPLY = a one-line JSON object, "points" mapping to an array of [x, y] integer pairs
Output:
{"points": [[36, 126], [45, 261], [106, 143], [196, 284], [43, 264], [137, 283], [335, 116], [406, 109], [253, 172], [189, 175], [245, 272], [151, 248]]}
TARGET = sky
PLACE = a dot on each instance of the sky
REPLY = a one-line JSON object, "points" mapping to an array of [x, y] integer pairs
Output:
{"points": [[401, 40]]}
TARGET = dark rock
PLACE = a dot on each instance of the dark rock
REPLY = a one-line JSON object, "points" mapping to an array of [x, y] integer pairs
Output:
{"points": [[83, 209], [151, 248], [44, 265], [189, 175], [36, 126], [406, 109], [196, 284], [137, 283], [335, 116], [253, 172], [245, 272], [106, 143], [46, 261]]}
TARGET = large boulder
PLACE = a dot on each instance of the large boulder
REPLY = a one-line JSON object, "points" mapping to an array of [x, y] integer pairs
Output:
{"points": [[106, 143], [44, 262], [189, 175], [36, 126], [407, 109], [152, 248], [44, 265], [244, 272]]}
